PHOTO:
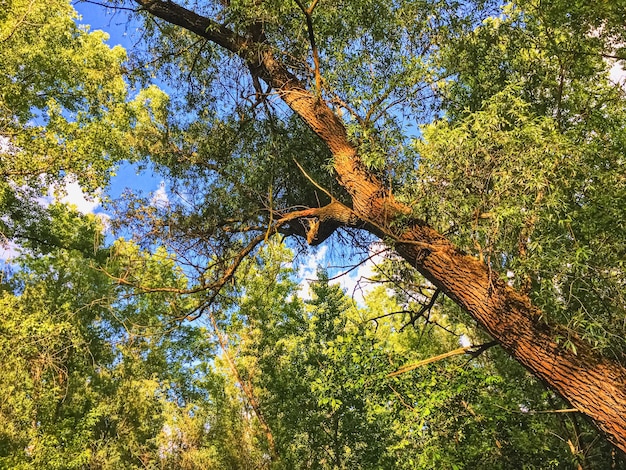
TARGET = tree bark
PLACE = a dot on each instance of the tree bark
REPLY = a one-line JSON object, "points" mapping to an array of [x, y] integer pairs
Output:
{"points": [[593, 384]]}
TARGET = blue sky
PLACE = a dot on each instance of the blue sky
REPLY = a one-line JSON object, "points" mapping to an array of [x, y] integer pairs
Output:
{"points": [[98, 17]]}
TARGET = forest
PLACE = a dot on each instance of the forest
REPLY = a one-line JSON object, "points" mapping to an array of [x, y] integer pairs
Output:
{"points": [[390, 234]]}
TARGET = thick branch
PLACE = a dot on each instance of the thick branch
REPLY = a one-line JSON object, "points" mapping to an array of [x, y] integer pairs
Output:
{"points": [[309, 107], [200, 25], [328, 219]]}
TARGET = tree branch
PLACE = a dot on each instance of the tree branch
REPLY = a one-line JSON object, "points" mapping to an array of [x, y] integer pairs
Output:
{"points": [[473, 350], [425, 309], [415, 365], [308, 14]]}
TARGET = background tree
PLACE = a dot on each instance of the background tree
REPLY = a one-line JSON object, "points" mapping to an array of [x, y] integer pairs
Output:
{"points": [[341, 386], [65, 110], [93, 375]]}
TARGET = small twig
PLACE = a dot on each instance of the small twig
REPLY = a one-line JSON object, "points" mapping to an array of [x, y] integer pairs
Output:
{"points": [[228, 273], [401, 398], [116, 8], [317, 185], [426, 308], [478, 350], [342, 104], [399, 312], [19, 23], [360, 263]]}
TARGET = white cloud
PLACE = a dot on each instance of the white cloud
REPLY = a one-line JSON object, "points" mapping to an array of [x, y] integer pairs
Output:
{"points": [[8, 251], [70, 192], [68, 188], [308, 271], [465, 341], [618, 74], [160, 197], [5, 145], [73, 194]]}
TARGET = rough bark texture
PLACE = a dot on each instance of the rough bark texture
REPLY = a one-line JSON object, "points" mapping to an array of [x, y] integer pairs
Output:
{"points": [[590, 382]]}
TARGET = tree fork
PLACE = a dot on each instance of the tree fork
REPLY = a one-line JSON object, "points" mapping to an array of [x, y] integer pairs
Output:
{"points": [[590, 382]]}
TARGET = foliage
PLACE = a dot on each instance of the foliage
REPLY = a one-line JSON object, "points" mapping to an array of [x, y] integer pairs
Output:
{"points": [[90, 375], [319, 371], [527, 172], [518, 157], [65, 109]]}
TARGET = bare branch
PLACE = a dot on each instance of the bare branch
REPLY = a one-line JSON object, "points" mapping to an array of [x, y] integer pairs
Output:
{"points": [[228, 274], [357, 265], [538, 412], [423, 311], [385, 315], [410, 367], [106, 5]]}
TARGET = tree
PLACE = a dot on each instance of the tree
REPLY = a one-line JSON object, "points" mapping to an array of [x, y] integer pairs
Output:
{"points": [[66, 111], [523, 175], [93, 375], [526, 95], [341, 386]]}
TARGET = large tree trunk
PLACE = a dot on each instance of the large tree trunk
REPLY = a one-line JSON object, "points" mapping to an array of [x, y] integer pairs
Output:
{"points": [[593, 384]]}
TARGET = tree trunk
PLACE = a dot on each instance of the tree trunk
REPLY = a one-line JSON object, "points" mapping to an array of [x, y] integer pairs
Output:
{"points": [[588, 381], [593, 384]]}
